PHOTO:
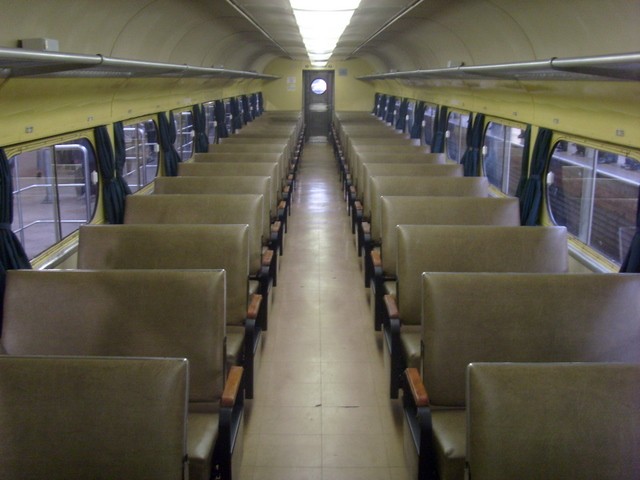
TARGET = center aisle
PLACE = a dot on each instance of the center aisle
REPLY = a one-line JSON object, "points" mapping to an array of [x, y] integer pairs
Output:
{"points": [[321, 408]]}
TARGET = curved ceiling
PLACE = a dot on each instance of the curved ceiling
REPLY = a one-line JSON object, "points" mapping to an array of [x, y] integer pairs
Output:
{"points": [[392, 35]]}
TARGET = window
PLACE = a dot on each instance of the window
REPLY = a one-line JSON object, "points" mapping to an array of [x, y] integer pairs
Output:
{"points": [[184, 134], [502, 162], [427, 124], [141, 145], [594, 193], [55, 191], [319, 86], [457, 140], [209, 110], [228, 116], [410, 109]]}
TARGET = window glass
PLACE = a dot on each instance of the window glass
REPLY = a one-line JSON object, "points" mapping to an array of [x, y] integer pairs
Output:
{"points": [[319, 86], [209, 110], [594, 193], [141, 146], [457, 141], [55, 191], [429, 117], [503, 160], [184, 134]]}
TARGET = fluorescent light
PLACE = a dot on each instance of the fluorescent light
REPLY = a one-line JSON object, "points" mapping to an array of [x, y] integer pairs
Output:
{"points": [[324, 4], [321, 24]]}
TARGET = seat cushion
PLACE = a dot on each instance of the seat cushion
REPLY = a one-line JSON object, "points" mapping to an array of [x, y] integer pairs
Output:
{"points": [[449, 432], [410, 339], [202, 434]]}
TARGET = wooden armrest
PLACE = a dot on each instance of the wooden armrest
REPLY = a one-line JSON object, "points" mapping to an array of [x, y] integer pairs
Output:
{"points": [[231, 387], [275, 226], [286, 189], [254, 306], [282, 205], [376, 258], [358, 205], [416, 386], [392, 306], [267, 258], [366, 228]]}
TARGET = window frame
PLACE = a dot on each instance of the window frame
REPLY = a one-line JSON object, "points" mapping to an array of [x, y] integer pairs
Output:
{"points": [[64, 242], [581, 242]]}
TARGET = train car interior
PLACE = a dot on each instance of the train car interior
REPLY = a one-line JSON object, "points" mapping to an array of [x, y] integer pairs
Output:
{"points": [[320, 239]]}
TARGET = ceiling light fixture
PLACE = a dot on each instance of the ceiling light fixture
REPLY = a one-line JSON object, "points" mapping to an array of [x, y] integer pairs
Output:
{"points": [[321, 24]]}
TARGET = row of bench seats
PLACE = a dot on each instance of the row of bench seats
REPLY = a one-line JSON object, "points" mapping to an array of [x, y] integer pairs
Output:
{"points": [[188, 276], [458, 288]]}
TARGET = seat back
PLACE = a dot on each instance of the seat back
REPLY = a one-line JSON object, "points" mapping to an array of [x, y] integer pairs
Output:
{"points": [[219, 209], [108, 247], [264, 147], [101, 418], [272, 170], [523, 317], [405, 169], [531, 421], [122, 313], [357, 170], [440, 211], [278, 158], [411, 186], [257, 185], [472, 248]]}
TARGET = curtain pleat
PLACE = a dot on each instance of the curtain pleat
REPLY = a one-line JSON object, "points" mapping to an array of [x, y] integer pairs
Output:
{"points": [[114, 187], [12, 254], [439, 129], [401, 123], [236, 118], [471, 158], [418, 116], [383, 105], [201, 141], [260, 104], [631, 262], [391, 109], [246, 110], [221, 126], [253, 103], [376, 104], [531, 199], [167, 130]]}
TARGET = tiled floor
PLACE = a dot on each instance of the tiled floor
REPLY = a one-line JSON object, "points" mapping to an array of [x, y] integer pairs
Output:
{"points": [[321, 409]]}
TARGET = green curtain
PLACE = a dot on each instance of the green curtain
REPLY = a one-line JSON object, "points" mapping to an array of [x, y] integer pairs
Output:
{"points": [[253, 103], [12, 254], [401, 123], [260, 104], [383, 103], [418, 117], [631, 262], [531, 198], [201, 141], [471, 158], [220, 116], [391, 109], [439, 129], [167, 130], [376, 104], [114, 187], [236, 119], [246, 109]]}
